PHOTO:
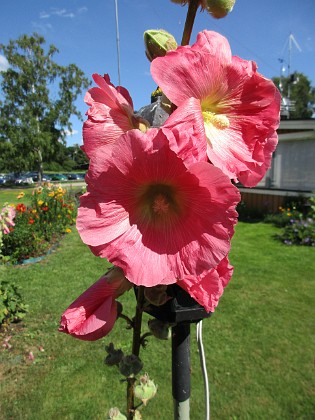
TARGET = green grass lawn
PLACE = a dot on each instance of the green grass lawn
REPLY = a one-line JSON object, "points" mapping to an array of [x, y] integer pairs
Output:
{"points": [[259, 343], [9, 195]]}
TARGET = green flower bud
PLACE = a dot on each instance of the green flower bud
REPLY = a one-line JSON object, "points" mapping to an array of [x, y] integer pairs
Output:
{"points": [[184, 2], [137, 415], [115, 414], [130, 365], [220, 8], [157, 295], [146, 389], [160, 329], [157, 43]]}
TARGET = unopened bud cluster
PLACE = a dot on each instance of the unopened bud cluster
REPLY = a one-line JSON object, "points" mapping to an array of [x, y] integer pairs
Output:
{"points": [[217, 8], [146, 389], [157, 43]]}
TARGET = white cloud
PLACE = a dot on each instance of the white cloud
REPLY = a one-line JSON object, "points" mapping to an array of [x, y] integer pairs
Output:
{"points": [[44, 15], [42, 27], [64, 13], [82, 10], [4, 65], [71, 133]]}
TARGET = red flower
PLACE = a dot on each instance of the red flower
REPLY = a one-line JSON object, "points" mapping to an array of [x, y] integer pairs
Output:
{"points": [[46, 208], [31, 221], [20, 208]]}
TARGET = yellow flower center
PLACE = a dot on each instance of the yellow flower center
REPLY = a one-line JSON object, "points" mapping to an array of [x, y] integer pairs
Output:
{"points": [[140, 123], [219, 121]]}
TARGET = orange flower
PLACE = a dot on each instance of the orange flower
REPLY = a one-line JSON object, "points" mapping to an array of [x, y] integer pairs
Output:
{"points": [[21, 207]]}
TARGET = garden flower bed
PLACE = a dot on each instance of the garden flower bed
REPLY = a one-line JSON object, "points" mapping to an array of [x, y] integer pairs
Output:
{"points": [[36, 228]]}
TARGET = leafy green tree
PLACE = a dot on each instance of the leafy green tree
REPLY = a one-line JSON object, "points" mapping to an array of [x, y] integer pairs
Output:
{"points": [[297, 87], [77, 156], [38, 98]]}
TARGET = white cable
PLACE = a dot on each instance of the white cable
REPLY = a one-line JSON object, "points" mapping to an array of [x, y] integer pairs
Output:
{"points": [[203, 369]]}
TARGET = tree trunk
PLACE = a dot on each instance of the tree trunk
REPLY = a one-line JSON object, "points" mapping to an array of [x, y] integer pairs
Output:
{"points": [[40, 166]]}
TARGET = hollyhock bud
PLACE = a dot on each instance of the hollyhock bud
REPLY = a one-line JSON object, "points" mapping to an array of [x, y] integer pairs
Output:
{"points": [[157, 295], [114, 356], [130, 365], [219, 8], [202, 3], [137, 415], [146, 389], [115, 414], [160, 329], [157, 43]]}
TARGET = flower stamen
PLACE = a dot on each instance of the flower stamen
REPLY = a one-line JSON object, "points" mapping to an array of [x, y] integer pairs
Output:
{"points": [[219, 121], [160, 205]]}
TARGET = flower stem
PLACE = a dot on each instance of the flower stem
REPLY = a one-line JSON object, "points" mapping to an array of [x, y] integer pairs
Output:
{"points": [[190, 19], [136, 343], [127, 319]]}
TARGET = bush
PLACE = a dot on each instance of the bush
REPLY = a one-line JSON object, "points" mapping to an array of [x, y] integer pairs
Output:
{"points": [[249, 214], [12, 308], [38, 226], [298, 222], [284, 216], [299, 232]]}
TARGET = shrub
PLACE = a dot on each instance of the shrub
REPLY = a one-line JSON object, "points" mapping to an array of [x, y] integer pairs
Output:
{"points": [[249, 214], [284, 216], [299, 232], [12, 308]]}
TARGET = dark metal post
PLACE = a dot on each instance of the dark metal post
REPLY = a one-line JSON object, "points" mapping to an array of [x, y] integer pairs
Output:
{"points": [[181, 370]]}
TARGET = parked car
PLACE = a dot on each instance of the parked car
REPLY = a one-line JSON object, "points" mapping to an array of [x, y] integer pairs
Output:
{"points": [[76, 176], [7, 179], [58, 177], [3, 179], [24, 180], [35, 176]]}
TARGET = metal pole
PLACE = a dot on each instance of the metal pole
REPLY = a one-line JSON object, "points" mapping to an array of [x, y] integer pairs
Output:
{"points": [[181, 370], [117, 40]]}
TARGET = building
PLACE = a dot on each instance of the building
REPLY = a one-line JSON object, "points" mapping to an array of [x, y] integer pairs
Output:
{"points": [[292, 172]]}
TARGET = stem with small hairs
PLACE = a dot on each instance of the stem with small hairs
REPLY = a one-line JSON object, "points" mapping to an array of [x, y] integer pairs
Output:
{"points": [[190, 19], [136, 343]]}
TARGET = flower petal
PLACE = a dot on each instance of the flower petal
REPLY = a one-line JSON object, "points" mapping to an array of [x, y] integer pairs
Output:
{"points": [[208, 289]]}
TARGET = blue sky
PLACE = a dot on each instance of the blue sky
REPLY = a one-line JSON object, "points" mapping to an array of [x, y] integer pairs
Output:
{"points": [[85, 34]]}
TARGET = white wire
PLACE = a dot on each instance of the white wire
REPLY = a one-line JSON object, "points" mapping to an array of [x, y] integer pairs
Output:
{"points": [[203, 369]]}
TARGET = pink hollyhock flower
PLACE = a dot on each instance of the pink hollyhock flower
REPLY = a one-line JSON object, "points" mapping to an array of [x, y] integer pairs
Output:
{"points": [[240, 107], [208, 289], [93, 314], [150, 214], [186, 124], [6, 219], [110, 114]]}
